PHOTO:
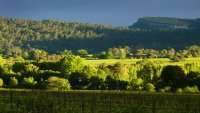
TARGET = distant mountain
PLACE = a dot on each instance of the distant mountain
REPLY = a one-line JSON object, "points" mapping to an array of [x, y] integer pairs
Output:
{"points": [[166, 23]]}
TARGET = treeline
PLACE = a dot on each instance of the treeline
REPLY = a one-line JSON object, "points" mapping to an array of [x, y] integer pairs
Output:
{"points": [[126, 52], [71, 72], [17, 36], [111, 53]]}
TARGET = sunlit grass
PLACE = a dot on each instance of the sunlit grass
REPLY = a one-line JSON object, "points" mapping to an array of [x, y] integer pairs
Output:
{"points": [[163, 61]]}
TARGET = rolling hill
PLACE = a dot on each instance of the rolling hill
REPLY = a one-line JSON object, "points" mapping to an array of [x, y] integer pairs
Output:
{"points": [[17, 35]]}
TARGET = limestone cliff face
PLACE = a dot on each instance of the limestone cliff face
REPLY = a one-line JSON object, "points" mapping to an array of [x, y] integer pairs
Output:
{"points": [[165, 22]]}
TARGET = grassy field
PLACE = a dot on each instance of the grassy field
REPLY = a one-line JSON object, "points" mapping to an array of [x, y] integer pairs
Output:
{"points": [[163, 61], [97, 102]]}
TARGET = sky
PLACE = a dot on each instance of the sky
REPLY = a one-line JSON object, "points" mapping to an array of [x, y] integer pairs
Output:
{"points": [[109, 12]]}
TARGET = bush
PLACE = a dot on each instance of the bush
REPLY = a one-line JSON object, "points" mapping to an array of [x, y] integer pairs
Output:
{"points": [[113, 84], [136, 84], [30, 70], [55, 83], [28, 82], [13, 82], [1, 82], [150, 87], [78, 80], [96, 83], [191, 89], [45, 74], [193, 78], [179, 90], [165, 89]]}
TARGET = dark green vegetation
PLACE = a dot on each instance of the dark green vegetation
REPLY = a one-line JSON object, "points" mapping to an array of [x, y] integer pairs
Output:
{"points": [[19, 37], [97, 102]]}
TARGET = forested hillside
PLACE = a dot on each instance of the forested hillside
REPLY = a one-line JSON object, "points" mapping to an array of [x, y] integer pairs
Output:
{"points": [[18, 36]]}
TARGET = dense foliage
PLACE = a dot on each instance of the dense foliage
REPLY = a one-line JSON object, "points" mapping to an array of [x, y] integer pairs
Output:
{"points": [[71, 72], [36, 39]]}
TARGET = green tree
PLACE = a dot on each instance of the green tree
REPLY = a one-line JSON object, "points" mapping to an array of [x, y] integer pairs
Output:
{"points": [[148, 70], [82, 52], [177, 57], [132, 71], [105, 55], [71, 64], [25, 55], [173, 76], [66, 52], [163, 53], [170, 53], [2, 61], [123, 53], [120, 71], [118, 53], [193, 79]]}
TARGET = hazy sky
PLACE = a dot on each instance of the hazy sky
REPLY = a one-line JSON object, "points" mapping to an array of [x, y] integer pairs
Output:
{"points": [[111, 12]]}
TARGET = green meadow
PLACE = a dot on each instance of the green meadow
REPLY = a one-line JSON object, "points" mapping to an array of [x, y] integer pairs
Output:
{"points": [[163, 61]]}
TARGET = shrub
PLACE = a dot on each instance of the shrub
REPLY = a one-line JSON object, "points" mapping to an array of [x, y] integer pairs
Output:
{"points": [[191, 89], [28, 82], [30, 70], [150, 87], [55, 83], [193, 78], [136, 84], [179, 90], [96, 83], [78, 80], [113, 84], [165, 89], [13, 82], [1, 82]]}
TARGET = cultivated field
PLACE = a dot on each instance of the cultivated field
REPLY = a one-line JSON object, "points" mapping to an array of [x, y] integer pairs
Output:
{"points": [[97, 102]]}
